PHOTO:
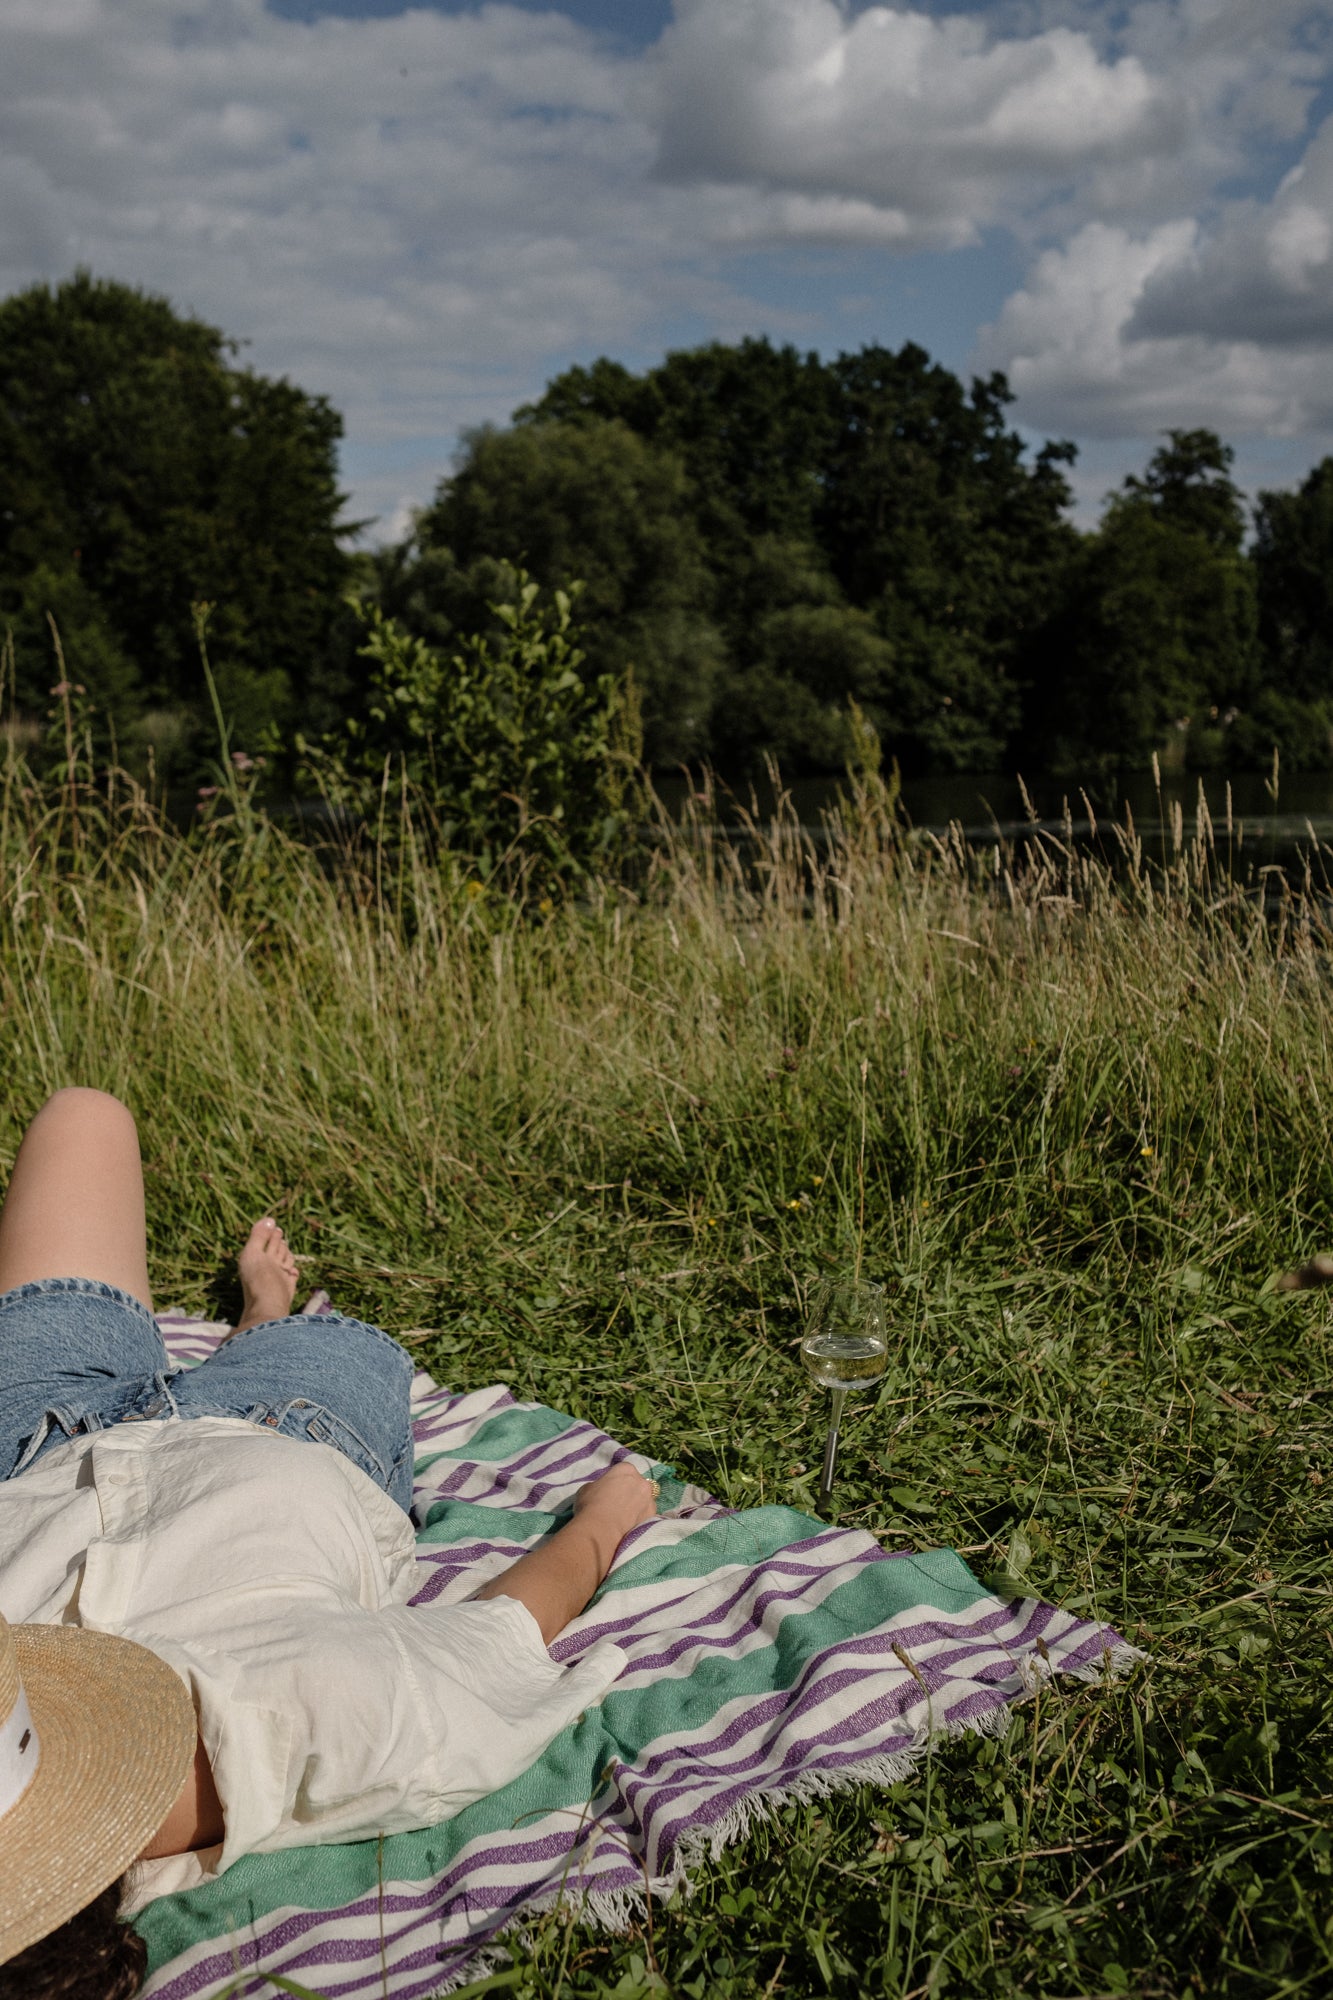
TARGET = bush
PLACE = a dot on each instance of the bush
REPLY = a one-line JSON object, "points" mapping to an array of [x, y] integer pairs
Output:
{"points": [[504, 741]]}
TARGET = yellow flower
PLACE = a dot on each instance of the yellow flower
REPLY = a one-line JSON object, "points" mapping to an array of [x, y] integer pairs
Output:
{"points": [[819, 1180], [475, 888], [546, 906], [1145, 1152]]}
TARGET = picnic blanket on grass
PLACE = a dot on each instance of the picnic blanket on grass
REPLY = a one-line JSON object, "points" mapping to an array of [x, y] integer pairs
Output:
{"points": [[771, 1657]]}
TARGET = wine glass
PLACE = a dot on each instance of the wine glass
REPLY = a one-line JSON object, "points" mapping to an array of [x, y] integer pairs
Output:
{"points": [[846, 1346]]}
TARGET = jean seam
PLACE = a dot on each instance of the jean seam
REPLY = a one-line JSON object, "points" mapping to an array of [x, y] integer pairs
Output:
{"points": [[79, 1287], [322, 1319]]}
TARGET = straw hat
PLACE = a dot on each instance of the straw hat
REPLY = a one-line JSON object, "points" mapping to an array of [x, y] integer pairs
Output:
{"points": [[96, 1736]]}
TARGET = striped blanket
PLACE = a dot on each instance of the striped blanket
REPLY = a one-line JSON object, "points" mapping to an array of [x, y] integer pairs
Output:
{"points": [[771, 1657]]}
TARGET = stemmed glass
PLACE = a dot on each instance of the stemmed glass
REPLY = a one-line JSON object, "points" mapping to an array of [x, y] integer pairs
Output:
{"points": [[846, 1346]]}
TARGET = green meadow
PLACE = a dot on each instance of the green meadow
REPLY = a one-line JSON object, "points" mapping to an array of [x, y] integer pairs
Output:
{"points": [[1073, 1109]]}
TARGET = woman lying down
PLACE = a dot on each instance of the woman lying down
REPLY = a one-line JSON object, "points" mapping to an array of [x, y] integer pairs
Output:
{"points": [[206, 1648]]}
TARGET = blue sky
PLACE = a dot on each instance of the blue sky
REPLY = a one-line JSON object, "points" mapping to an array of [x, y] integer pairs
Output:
{"points": [[424, 213]]}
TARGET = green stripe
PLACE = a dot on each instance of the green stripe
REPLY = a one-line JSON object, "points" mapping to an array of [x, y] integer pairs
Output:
{"points": [[466, 1520], [503, 1435]]}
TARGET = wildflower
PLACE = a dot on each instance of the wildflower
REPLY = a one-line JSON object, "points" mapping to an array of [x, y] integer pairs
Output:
{"points": [[546, 906], [819, 1180], [208, 792], [1145, 1152], [241, 761], [794, 1204], [475, 888]]}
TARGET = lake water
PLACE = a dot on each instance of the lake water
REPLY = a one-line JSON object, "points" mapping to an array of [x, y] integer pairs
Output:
{"points": [[981, 801]]}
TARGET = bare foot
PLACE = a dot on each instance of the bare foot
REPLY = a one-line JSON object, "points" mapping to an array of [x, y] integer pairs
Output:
{"points": [[268, 1275]]}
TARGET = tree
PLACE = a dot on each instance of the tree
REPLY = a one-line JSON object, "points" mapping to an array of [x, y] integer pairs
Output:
{"points": [[1155, 649], [142, 471], [1293, 556], [585, 501], [751, 423], [518, 753], [932, 521], [901, 498]]}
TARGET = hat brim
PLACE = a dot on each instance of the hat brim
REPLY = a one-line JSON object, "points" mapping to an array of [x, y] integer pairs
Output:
{"points": [[117, 1733]]}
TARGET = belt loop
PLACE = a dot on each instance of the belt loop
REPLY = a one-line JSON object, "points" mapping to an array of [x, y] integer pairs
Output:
{"points": [[162, 1383], [35, 1442]]}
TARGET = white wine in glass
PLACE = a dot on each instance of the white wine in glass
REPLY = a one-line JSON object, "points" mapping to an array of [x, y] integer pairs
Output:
{"points": [[846, 1346]]}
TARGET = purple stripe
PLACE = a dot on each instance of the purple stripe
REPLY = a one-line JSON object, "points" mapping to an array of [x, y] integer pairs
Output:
{"points": [[698, 1636], [793, 1698], [750, 1581]]}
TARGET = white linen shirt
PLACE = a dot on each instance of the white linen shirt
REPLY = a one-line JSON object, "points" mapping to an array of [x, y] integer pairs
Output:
{"points": [[273, 1575]]}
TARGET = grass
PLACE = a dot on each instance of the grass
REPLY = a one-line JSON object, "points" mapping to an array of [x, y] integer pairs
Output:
{"points": [[601, 1152]]}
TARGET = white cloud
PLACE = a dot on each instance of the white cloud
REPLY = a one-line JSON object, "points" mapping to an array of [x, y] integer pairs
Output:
{"points": [[1263, 272], [936, 124], [1228, 325], [395, 211]]}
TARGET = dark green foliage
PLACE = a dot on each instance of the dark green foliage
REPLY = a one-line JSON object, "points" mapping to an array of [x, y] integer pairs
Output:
{"points": [[511, 748], [590, 501], [752, 423], [1155, 649], [931, 519], [763, 537], [142, 471], [766, 534], [1293, 557]]}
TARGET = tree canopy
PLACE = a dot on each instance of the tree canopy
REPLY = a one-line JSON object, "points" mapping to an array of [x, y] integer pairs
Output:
{"points": [[141, 471], [765, 534]]}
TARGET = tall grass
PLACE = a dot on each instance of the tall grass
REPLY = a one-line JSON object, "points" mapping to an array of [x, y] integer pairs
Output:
{"points": [[601, 1150]]}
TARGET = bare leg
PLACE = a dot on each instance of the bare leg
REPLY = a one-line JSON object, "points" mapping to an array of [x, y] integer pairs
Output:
{"points": [[75, 1207]]}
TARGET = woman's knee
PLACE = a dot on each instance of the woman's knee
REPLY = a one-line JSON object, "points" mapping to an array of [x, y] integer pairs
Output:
{"points": [[77, 1104]]}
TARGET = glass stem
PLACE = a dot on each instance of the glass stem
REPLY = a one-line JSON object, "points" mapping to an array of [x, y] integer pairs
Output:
{"points": [[831, 1447]]}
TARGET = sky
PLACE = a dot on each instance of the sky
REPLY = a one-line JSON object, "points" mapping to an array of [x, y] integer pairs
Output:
{"points": [[425, 212]]}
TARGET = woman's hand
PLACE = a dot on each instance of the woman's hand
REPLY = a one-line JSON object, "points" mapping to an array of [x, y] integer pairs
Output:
{"points": [[620, 1497]]}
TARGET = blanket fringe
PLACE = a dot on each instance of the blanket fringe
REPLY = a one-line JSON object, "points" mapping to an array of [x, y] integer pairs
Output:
{"points": [[617, 1910]]}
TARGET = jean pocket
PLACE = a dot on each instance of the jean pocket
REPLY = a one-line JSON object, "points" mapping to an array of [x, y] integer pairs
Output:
{"points": [[325, 1426]]}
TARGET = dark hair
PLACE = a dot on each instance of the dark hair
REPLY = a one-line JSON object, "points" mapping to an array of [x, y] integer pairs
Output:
{"points": [[94, 1956]]}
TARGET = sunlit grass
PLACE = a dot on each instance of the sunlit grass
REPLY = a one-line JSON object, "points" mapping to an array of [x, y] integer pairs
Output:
{"points": [[599, 1151]]}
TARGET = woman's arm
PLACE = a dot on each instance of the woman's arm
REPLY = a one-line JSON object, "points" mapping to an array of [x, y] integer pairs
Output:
{"points": [[556, 1581]]}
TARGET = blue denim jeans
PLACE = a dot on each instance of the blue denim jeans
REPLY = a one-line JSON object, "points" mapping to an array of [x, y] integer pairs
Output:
{"points": [[77, 1355]]}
